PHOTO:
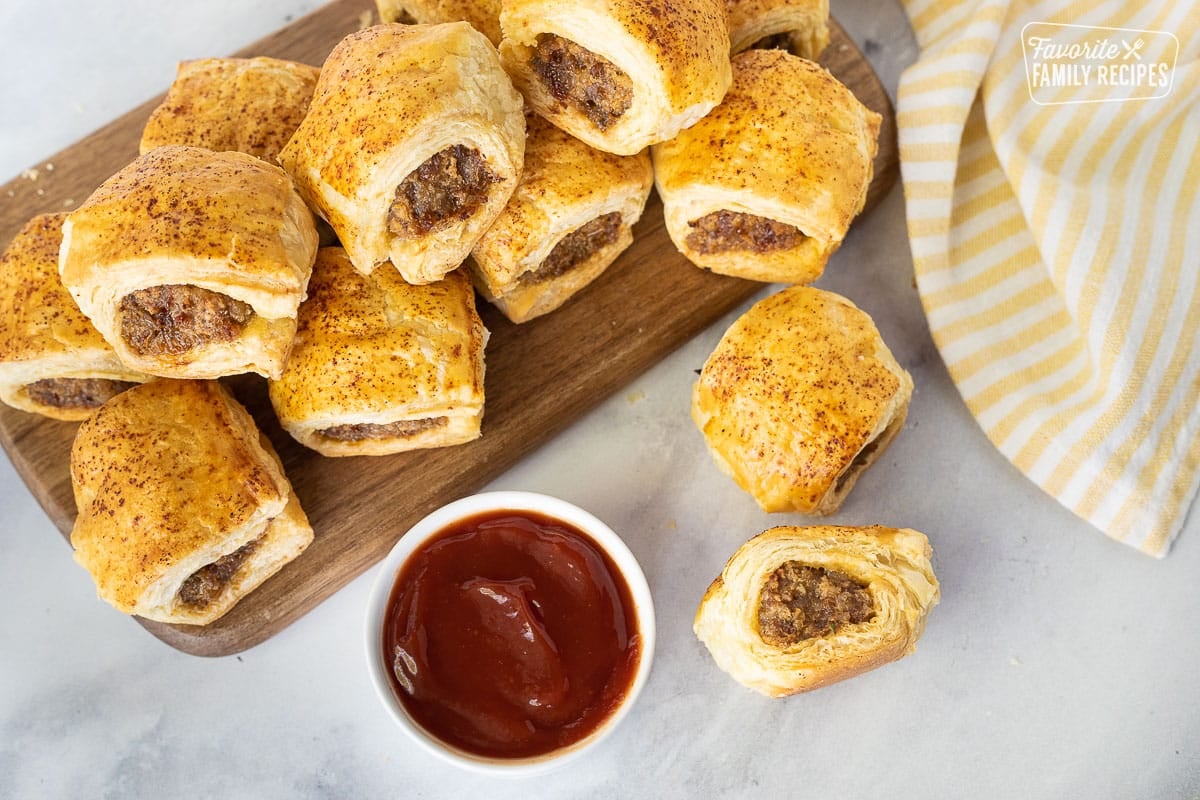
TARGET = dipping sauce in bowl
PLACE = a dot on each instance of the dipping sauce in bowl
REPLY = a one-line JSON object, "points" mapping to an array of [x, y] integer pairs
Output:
{"points": [[516, 629]]}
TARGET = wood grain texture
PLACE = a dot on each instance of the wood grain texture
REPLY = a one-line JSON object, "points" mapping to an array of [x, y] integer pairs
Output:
{"points": [[540, 376]]}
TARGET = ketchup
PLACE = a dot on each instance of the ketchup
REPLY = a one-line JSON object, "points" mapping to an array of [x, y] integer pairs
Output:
{"points": [[511, 635]]}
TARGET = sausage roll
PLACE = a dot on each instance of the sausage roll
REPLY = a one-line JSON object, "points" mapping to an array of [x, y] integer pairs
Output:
{"points": [[798, 398], [52, 361], [619, 75], [191, 263], [183, 505], [765, 187], [412, 145], [800, 27], [570, 217], [251, 105], [799, 608], [483, 15], [381, 365]]}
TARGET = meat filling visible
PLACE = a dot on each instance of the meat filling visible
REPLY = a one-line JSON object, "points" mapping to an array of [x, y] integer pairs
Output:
{"points": [[776, 41], [575, 248], [858, 464], [206, 584], [390, 430], [801, 602], [723, 231], [448, 187], [173, 319], [582, 79], [75, 392]]}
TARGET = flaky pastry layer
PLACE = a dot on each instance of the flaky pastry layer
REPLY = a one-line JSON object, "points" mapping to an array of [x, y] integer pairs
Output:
{"points": [[374, 350], [894, 566]]}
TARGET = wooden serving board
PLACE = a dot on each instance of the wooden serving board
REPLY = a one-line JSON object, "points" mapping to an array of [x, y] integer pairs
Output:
{"points": [[540, 376]]}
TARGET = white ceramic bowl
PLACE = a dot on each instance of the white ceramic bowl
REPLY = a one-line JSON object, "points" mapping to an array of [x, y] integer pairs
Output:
{"points": [[436, 522]]}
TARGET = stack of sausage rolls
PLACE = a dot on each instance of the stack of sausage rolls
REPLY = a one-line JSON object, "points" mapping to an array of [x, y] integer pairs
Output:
{"points": [[328, 229]]}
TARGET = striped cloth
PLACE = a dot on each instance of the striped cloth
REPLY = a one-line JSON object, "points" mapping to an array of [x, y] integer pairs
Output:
{"points": [[1056, 243]]}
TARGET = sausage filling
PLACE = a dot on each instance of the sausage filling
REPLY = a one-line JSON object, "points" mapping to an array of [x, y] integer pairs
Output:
{"points": [[75, 392], [775, 41], [800, 602], [391, 430], [867, 454], [448, 187], [206, 584], [582, 79], [173, 319], [723, 231], [575, 248], [858, 464]]}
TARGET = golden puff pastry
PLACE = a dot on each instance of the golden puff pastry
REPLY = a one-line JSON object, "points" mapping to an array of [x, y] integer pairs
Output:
{"points": [[412, 145], [483, 15], [798, 398], [183, 505], [799, 26], [381, 365], [251, 105], [192, 263], [765, 187], [797, 608], [53, 362], [570, 217], [619, 75]]}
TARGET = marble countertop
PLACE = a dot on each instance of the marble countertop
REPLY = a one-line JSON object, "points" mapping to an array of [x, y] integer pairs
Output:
{"points": [[1058, 664]]}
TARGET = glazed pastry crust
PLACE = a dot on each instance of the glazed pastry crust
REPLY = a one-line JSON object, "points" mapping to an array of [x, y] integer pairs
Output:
{"points": [[168, 477], [804, 22], [799, 397], [677, 55], [374, 349], [226, 222], [250, 105], [789, 143], [43, 334], [565, 184], [389, 98], [894, 564], [483, 15]]}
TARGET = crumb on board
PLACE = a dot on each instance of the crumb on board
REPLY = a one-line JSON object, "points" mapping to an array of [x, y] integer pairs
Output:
{"points": [[671, 525], [365, 19], [70, 201], [636, 396]]}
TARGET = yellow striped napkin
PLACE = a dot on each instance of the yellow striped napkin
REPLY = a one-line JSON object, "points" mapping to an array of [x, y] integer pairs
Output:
{"points": [[1055, 231]]}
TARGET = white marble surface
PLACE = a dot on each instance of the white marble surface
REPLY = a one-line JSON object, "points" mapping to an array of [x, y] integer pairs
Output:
{"points": [[1059, 664]]}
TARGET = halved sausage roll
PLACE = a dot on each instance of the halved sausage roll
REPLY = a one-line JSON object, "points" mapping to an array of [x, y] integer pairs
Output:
{"points": [[570, 217], [53, 362], [800, 27], [191, 263], [183, 505], [411, 147], [483, 15], [797, 608], [798, 398], [766, 186], [619, 75], [250, 105], [381, 365]]}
